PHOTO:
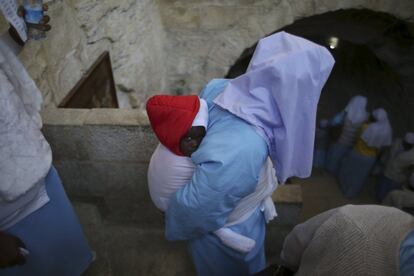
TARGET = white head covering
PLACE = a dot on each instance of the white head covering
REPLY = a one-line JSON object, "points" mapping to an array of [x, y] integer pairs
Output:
{"points": [[279, 94], [409, 137], [378, 134], [355, 110], [201, 118]]}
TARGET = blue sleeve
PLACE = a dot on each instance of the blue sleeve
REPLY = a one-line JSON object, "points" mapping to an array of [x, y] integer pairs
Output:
{"points": [[338, 119], [407, 255], [213, 89]]}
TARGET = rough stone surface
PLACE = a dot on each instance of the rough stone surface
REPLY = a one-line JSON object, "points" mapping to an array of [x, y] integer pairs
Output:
{"points": [[163, 45], [82, 29]]}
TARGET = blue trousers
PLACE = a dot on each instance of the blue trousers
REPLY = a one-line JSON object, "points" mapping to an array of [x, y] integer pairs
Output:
{"points": [[334, 156], [354, 172], [53, 237], [212, 258], [319, 158]]}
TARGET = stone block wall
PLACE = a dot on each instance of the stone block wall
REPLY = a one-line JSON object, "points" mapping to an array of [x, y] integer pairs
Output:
{"points": [[130, 30], [102, 156]]}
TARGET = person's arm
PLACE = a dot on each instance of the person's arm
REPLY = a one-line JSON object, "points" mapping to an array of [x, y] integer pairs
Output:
{"points": [[10, 254], [12, 38], [225, 173]]}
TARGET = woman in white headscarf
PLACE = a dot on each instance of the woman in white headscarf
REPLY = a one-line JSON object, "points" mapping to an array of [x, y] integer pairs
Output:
{"points": [[358, 163], [352, 117], [397, 167], [39, 231]]}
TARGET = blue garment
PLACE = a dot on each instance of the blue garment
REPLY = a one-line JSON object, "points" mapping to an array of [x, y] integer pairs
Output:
{"points": [[319, 158], [334, 156], [407, 255], [384, 186], [53, 237], [354, 172], [228, 163]]}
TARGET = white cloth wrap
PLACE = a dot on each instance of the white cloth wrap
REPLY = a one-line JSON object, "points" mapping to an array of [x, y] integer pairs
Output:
{"points": [[25, 156], [260, 198], [379, 133]]}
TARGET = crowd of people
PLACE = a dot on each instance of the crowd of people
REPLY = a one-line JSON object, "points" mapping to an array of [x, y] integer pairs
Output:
{"points": [[356, 144]]}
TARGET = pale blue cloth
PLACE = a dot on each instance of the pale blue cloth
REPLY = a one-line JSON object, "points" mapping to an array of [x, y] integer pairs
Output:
{"points": [[53, 237], [279, 95], [334, 156], [354, 172], [407, 256], [228, 163]]}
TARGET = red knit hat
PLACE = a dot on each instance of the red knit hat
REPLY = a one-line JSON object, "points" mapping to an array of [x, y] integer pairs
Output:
{"points": [[171, 118]]}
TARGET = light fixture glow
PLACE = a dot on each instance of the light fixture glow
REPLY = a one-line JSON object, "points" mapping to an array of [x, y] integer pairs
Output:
{"points": [[333, 42]]}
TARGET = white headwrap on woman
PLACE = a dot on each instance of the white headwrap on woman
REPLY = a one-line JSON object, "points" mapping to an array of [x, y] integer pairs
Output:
{"points": [[201, 118], [278, 95], [378, 134], [356, 110]]}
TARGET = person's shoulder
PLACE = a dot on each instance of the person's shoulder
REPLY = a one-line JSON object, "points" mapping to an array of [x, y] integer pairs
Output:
{"points": [[213, 89]]}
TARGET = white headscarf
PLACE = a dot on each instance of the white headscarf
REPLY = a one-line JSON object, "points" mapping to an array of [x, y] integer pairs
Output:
{"points": [[355, 110], [279, 94], [378, 134], [201, 118]]}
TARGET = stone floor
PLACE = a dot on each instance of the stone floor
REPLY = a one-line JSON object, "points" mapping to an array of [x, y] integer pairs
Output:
{"points": [[131, 249], [321, 192]]}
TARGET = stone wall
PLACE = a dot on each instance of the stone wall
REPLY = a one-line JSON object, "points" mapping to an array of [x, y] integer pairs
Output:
{"points": [[205, 37], [163, 45], [130, 30]]}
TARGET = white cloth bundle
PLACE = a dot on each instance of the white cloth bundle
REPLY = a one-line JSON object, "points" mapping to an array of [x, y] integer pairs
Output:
{"points": [[168, 172]]}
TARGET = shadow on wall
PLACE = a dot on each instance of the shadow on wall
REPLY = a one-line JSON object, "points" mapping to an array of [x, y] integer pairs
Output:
{"points": [[374, 56]]}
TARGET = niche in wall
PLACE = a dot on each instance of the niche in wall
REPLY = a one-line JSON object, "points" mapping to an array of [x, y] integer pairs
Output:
{"points": [[96, 89]]}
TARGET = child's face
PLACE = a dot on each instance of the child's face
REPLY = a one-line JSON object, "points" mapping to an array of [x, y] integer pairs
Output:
{"points": [[190, 142]]}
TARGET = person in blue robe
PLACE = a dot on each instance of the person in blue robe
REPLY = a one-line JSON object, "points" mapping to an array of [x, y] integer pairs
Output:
{"points": [[250, 118]]}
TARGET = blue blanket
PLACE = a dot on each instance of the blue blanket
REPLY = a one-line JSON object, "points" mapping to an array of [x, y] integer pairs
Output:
{"points": [[53, 237]]}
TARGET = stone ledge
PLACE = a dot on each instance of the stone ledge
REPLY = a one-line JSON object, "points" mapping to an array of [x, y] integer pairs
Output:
{"points": [[95, 116], [288, 194]]}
